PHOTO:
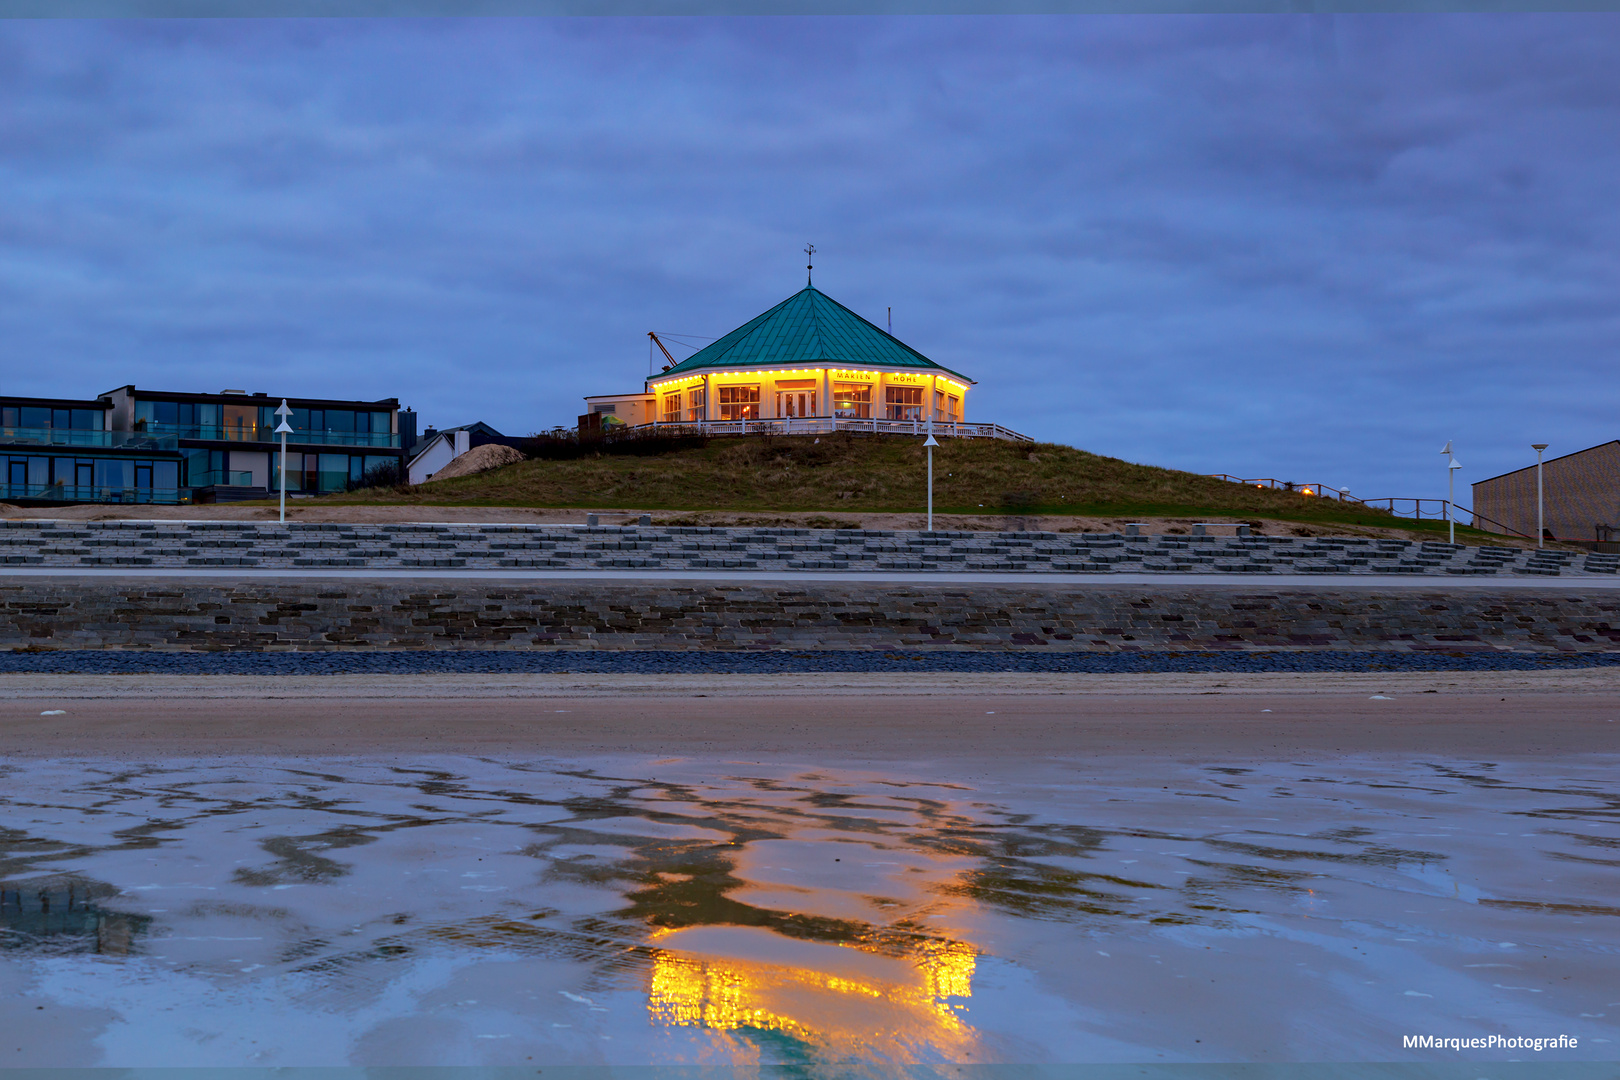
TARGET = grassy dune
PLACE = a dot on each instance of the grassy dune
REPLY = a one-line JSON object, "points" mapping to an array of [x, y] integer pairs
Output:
{"points": [[853, 473]]}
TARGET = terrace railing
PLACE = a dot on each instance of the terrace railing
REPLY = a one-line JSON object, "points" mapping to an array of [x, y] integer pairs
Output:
{"points": [[97, 493], [826, 425], [259, 433], [110, 440]]}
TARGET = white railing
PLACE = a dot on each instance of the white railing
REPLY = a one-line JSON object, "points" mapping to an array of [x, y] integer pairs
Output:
{"points": [[826, 425]]}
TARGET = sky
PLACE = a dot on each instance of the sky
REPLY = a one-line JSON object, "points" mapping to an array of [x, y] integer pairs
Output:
{"points": [[1310, 247]]}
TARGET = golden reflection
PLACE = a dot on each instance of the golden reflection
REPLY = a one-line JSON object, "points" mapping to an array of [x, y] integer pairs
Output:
{"points": [[815, 1006]]}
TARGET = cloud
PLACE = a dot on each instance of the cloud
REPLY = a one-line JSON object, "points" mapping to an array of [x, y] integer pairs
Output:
{"points": [[1312, 247]]}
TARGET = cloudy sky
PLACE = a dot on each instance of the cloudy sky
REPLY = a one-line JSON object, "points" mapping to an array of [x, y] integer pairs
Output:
{"points": [[1309, 247]]}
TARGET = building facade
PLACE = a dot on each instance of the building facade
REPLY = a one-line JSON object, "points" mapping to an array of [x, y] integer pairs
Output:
{"points": [[807, 359], [67, 450], [142, 446], [1581, 496]]}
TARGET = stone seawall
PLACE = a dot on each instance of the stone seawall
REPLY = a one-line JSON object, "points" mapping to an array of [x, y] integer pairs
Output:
{"points": [[261, 545], [160, 614]]}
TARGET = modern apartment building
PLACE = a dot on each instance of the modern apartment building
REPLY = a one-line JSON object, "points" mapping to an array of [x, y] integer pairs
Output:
{"points": [[148, 446]]}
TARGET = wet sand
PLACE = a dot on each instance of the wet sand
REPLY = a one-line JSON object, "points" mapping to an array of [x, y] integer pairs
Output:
{"points": [[996, 720]]}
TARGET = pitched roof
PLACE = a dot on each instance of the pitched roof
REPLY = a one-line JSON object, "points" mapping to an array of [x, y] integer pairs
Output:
{"points": [[807, 329]]}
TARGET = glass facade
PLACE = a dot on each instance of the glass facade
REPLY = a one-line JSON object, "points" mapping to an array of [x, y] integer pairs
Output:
{"points": [[39, 416], [326, 473], [256, 422], [90, 479]]}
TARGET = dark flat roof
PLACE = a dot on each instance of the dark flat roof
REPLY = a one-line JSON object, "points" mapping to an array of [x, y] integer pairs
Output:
{"points": [[261, 399], [54, 403]]}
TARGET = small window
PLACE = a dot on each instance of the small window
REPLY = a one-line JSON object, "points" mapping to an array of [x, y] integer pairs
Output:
{"points": [[604, 410]]}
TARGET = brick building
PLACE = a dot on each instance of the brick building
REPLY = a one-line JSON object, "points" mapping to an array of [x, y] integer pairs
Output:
{"points": [[1582, 496]]}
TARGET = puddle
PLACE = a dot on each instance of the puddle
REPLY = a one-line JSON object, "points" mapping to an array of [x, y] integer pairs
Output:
{"points": [[624, 912]]}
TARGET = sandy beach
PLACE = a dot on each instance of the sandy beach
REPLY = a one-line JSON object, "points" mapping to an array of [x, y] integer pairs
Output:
{"points": [[1005, 718]]}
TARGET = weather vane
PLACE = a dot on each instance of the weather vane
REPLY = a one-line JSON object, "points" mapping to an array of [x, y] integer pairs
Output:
{"points": [[810, 262]]}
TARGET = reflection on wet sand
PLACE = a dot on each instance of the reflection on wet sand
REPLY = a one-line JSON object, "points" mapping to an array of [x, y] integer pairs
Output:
{"points": [[54, 916], [836, 1006], [480, 911]]}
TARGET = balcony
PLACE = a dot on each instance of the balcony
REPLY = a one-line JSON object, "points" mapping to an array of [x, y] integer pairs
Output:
{"points": [[107, 440], [255, 433], [95, 493]]}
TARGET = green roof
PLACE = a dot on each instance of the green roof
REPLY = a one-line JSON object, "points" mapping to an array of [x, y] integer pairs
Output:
{"points": [[808, 329]]}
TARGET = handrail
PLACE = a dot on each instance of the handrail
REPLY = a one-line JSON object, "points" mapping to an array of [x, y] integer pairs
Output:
{"points": [[1417, 514]]}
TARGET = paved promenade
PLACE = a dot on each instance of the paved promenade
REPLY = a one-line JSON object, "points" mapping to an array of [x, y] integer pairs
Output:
{"points": [[701, 552]]}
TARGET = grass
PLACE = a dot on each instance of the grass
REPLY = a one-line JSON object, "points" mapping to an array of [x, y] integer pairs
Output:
{"points": [[851, 473]]}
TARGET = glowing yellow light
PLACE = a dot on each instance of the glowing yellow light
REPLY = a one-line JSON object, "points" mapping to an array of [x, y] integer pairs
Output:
{"points": [[726, 995], [1306, 491]]}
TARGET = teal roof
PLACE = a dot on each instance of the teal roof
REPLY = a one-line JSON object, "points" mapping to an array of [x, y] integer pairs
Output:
{"points": [[808, 329]]}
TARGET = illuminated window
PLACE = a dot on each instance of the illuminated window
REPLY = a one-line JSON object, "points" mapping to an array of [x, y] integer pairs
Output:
{"points": [[903, 402], [947, 407], [695, 403], [739, 403], [672, 408], [852, 400]]}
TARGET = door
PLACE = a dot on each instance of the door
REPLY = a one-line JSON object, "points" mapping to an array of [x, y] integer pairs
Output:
{"points": [[84, 474], [17, 477], [796, 403]]}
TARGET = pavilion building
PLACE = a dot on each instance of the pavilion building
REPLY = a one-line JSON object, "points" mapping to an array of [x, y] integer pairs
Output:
{"points": [[807, 365]]}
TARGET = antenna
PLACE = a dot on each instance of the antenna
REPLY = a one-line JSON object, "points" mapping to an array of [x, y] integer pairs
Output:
{"points": [[810, 262], [891, 322]]}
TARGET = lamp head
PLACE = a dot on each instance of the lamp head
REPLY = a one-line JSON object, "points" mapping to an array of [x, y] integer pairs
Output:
{"points": [[1538, 446]]}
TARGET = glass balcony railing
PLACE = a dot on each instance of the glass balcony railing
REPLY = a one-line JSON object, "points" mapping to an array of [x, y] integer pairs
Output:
{"points": [[95, 493], [261, 434], [221, 478], [112, 440]]}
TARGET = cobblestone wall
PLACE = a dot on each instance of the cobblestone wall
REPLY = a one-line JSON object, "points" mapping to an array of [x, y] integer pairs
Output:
{"points": [[269, 546], [458, 614]]}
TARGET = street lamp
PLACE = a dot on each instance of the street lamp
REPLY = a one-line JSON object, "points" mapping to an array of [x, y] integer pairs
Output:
{"points": [[1541, 529], [1451, 490], [930, 443], [283, 430]]}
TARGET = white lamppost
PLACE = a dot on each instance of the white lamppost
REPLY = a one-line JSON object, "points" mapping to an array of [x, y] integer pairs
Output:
{"points": [[1451, 489], [1541, 529], [929, 444], [283, 430]]}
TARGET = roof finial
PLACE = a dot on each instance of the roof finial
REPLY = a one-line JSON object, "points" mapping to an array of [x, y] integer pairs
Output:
{"points": [[810, 262]]}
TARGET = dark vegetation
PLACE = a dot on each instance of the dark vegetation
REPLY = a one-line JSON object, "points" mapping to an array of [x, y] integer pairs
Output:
{"points": [[849, 473]]}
